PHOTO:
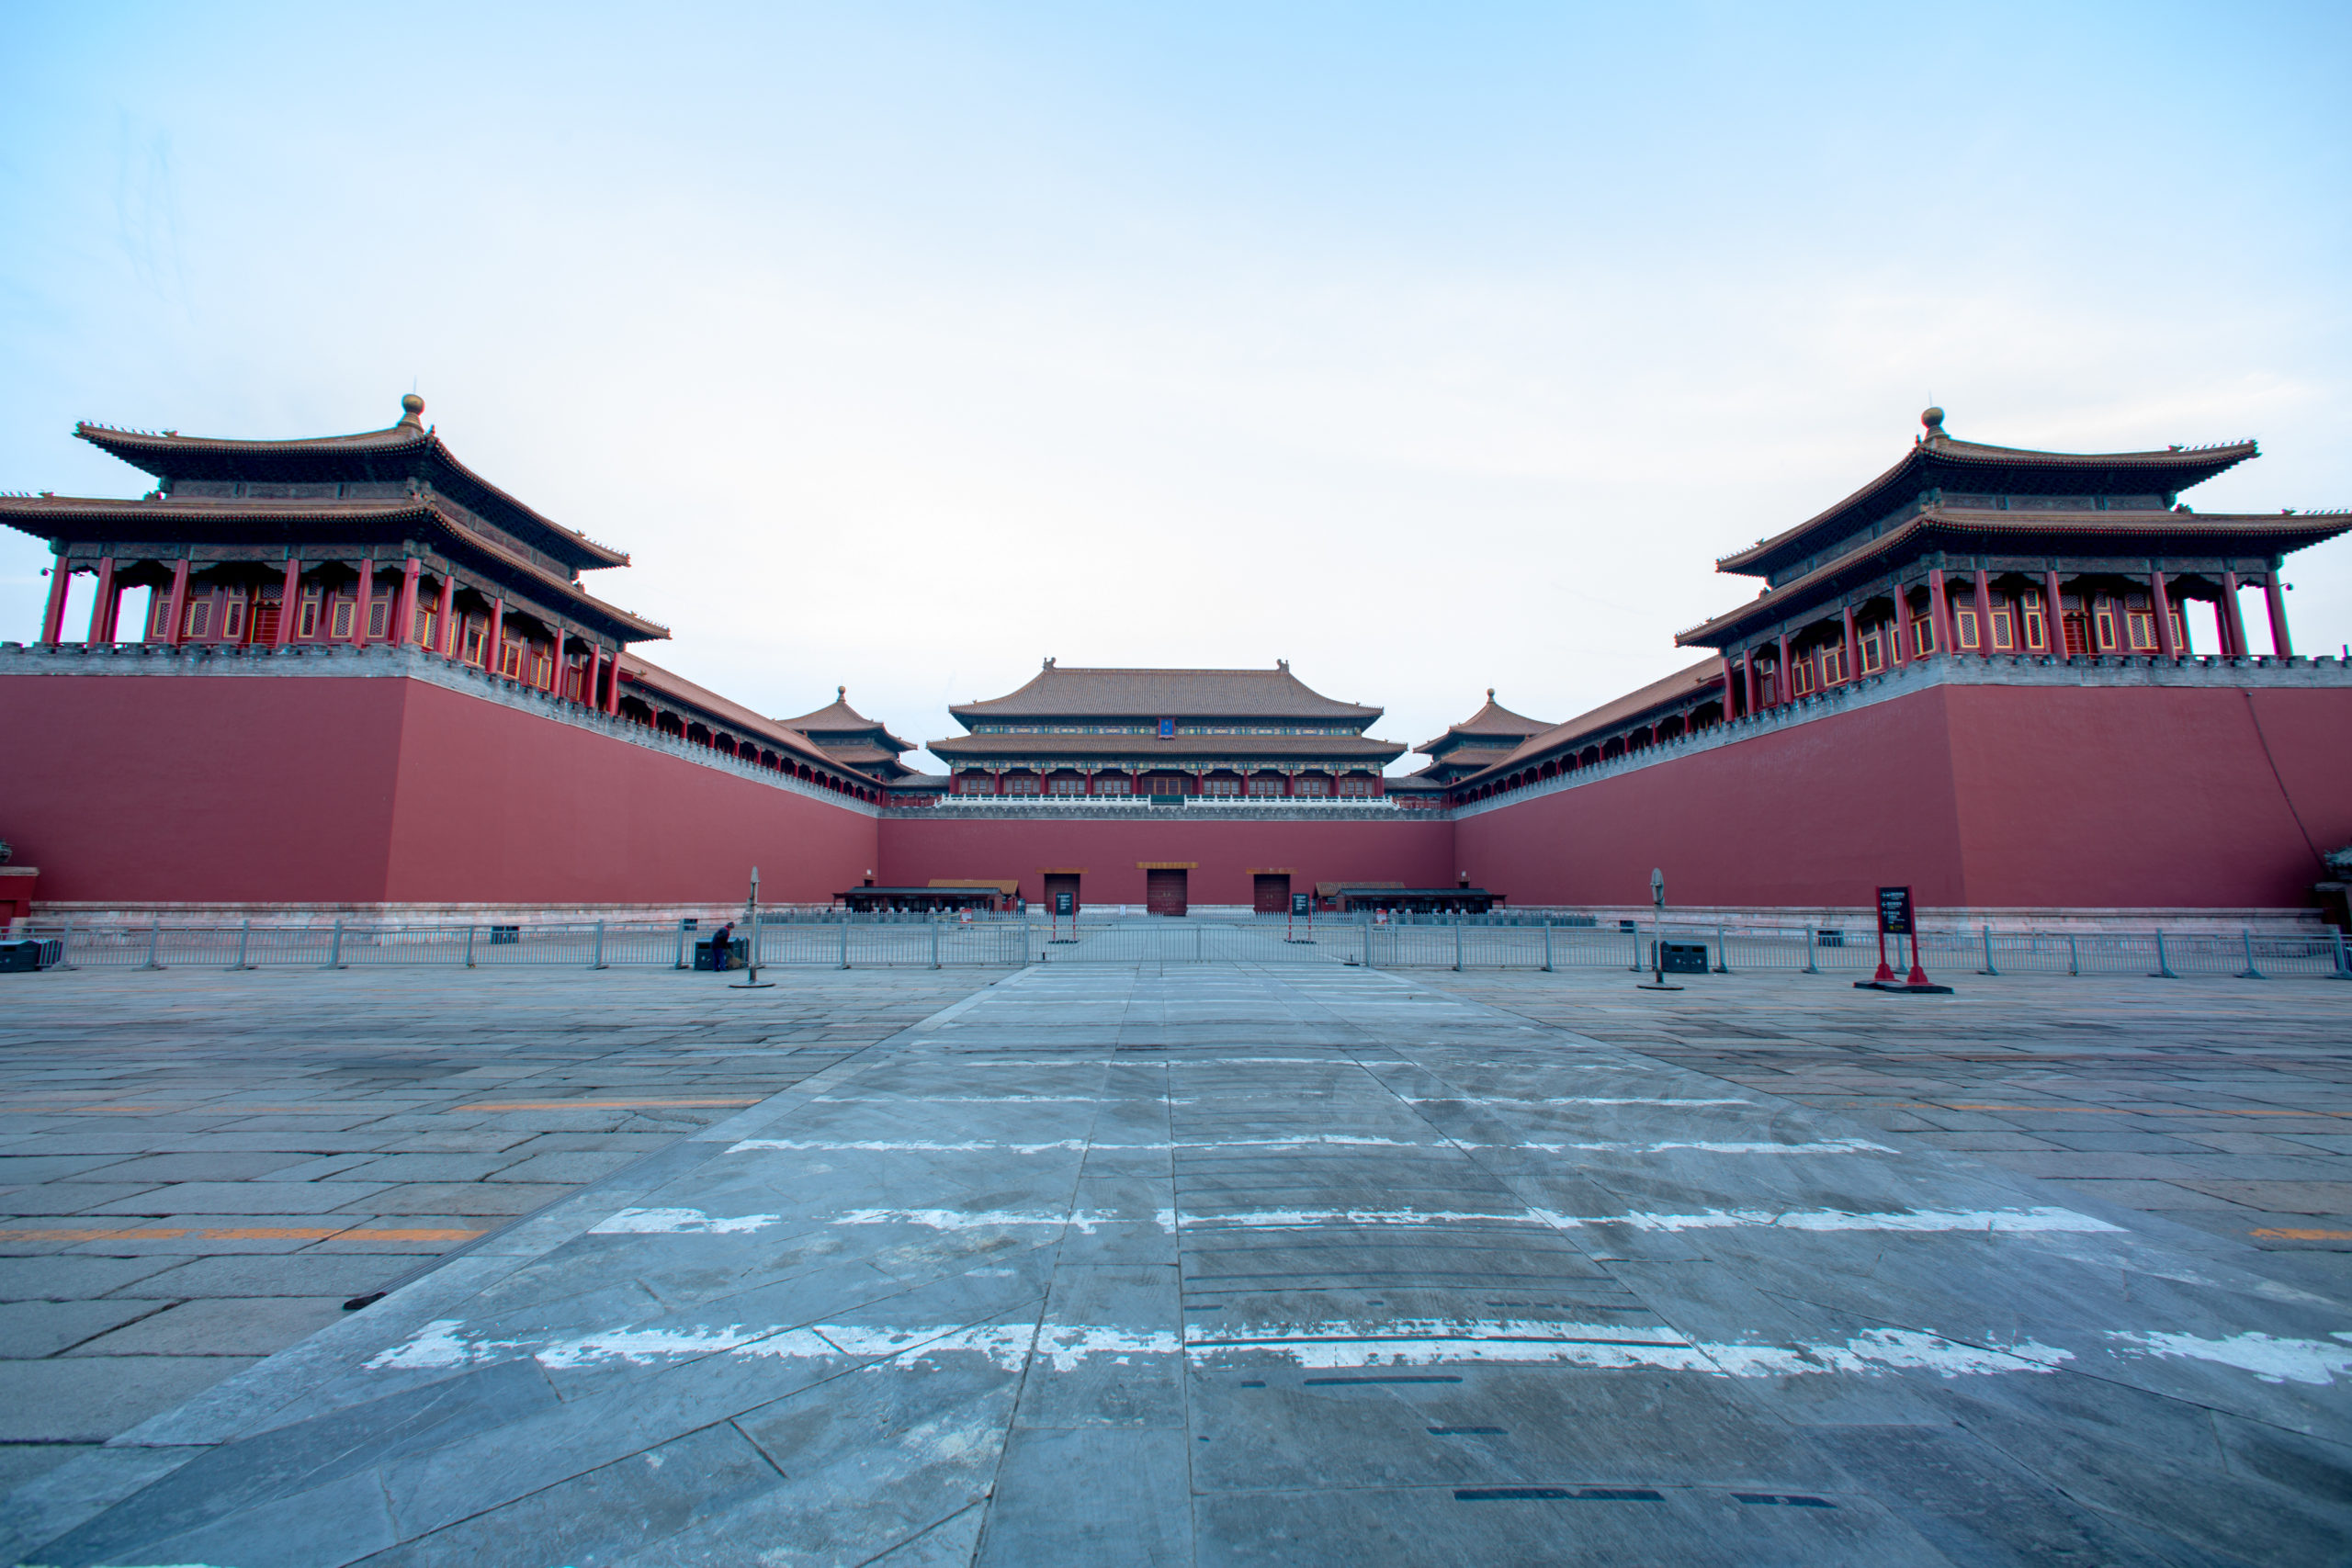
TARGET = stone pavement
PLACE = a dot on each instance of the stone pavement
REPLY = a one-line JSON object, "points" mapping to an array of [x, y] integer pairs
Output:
{"points": [[1231, 1264], [198, 1170], [2221, 1104]]}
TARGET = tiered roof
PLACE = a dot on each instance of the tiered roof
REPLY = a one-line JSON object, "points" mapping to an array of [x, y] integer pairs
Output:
{"points": [[1941, 462], [325, 496], [1058, 714], [850, 736], [1055, 692], [1486, 737], [398, 453], [1660, 697], [1969, 497]]}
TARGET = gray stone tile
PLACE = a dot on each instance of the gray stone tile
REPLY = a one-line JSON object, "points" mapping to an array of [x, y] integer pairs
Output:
{"points": [[75, 1198], [302, 1274], [87, 1399], [644, 1501], [231, 1489], [218, 1327], [573, 1166], [30, 1329], [22, 1463], [228, 1165], [485, 1198], [71, 1277], [432, 1168], [242, 1197], [1090, 1497]]}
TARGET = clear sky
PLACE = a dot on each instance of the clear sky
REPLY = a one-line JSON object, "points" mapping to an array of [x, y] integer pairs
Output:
{"points": [[1431, 347]]}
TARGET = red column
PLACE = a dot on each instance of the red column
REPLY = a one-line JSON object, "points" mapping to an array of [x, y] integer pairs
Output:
{"points": [[1983, 611], [2273, 593], [494, 660], [365, 601], [2161, 603], [178, 623], [1853, 646], [102, 606], [2232, 618], [1786, 688], [1731, 690], [2053, 618], [1747, 667], [1939, 611], [595, 671], [444, 635], [291, 606], [1898, 631], [613, 693], [52, 618], [404, 612]]}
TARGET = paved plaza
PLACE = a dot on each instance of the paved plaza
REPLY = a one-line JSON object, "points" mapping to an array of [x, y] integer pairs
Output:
{"points": [[1202, 1262]]}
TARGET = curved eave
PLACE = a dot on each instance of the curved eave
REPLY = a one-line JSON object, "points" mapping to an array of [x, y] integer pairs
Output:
{"points": [[168, 457], [2178, 468], [1148, 750], [2150, 534], [1338, 713], [1649, 703], [656, 686], [235, 522]]}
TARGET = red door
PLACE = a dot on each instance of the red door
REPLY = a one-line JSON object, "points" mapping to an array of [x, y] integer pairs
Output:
{"points": [[1163, 892], [1061, 881], [1273, 894]]}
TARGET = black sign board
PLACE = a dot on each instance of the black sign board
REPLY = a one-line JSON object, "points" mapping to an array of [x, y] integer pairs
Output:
{"points": [[1894, 911], [1298, 903], [1064, 903]]}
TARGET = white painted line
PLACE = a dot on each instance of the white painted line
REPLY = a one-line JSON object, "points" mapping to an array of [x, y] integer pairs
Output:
{"points": [[2272, 1360], [2003, 1221], [1322, 1347]]}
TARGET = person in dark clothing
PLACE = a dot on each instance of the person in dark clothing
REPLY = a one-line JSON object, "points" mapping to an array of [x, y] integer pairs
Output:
{"points": [[722, 946]]}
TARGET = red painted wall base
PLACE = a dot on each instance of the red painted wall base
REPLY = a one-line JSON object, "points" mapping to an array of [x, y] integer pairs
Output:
{"points": [[251, 789], [1984, 796]]}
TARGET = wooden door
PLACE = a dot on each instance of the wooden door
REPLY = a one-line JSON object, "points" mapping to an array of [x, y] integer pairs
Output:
{"points": [[1062, 882], [1271, 893], [1163, 892]]}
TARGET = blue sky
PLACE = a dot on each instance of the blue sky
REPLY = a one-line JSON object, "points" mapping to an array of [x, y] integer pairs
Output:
{"points": [[1432, 348]]}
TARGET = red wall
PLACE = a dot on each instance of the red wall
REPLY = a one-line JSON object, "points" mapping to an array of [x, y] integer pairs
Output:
{"points": [[1979, 796], [233, 789], [1419, 853], [220, 789]]}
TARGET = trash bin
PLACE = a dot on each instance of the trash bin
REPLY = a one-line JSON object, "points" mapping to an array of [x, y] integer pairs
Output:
{"points": [[24, 957], [1681, 958], [739, 952]]}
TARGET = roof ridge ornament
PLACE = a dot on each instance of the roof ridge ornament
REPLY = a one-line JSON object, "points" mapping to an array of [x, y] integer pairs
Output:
{"points": [[411, 407], [1933, 418]]}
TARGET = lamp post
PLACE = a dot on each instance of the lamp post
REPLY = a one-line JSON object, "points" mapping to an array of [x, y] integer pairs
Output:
{"points": [[1657, 982], [750, 980]]}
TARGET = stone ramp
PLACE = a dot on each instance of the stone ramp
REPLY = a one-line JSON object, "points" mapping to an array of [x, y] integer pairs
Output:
{"points": [[1310, 1265]]}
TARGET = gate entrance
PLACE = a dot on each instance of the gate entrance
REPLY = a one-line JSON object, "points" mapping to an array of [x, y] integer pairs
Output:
{"points": [[1271, 893], [1164, 892], [1062, 882]]}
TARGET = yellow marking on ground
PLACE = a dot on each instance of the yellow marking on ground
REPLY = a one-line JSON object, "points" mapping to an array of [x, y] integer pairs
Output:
{"points": [[238, 1233], [2286, 1234], [598, 1104]]}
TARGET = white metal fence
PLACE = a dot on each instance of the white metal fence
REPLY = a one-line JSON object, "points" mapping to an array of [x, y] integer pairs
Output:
{"points": [[1009, 942]]}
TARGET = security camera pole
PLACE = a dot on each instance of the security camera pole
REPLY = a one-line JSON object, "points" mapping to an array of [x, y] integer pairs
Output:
{"points": [[1657, 982], [750, 980]]}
